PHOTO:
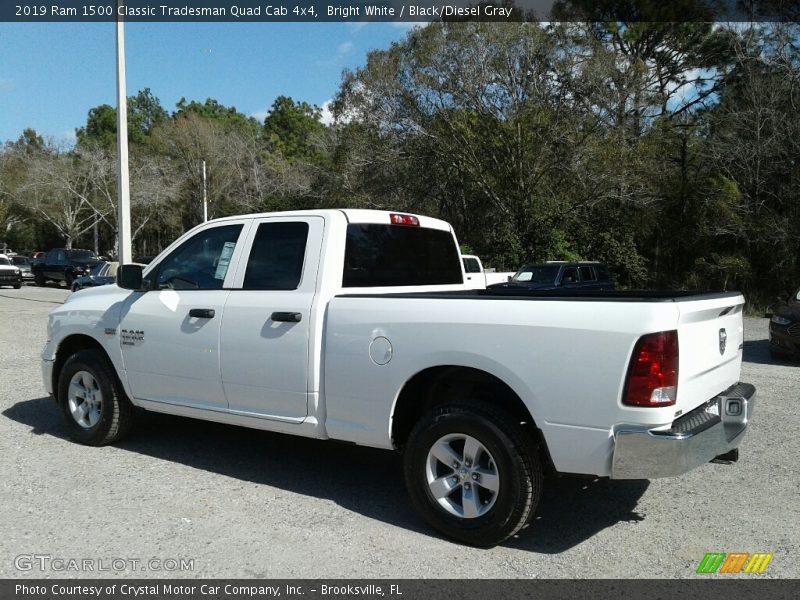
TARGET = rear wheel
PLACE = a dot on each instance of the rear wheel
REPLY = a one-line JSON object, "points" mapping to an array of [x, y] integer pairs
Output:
{"points": [[94, 406], [69, 278], [39, 279], [472, 473]]}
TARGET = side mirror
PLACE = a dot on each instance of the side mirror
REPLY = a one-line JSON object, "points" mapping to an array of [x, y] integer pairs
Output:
{"points": [[510, 277], [129, 277]]}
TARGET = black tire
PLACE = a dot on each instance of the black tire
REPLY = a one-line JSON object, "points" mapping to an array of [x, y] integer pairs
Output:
{"points": [[116, 413], [17, 286], [69, 279], [516, 461], [39, 279]]}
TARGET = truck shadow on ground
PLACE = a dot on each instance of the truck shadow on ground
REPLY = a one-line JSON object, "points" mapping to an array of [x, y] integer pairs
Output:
{"points": [[364, 480], [757, 351]]}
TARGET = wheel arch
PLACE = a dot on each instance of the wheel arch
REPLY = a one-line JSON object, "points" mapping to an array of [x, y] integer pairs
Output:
{"points": [[436, 386], [70, 345]]}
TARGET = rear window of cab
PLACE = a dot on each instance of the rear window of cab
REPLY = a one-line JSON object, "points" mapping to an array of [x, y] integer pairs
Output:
{"points": [[392, 255]]}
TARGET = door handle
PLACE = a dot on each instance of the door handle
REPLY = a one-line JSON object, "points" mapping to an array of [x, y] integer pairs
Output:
{"points": [[202, 313], [288, 317]]}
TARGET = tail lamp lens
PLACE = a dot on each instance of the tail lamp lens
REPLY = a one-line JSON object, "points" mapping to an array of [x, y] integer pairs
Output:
{"points": [[653, 372]]}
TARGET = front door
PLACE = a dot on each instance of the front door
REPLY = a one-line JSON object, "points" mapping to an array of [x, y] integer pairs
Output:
{"points": [[170, 334], [266, 326]]}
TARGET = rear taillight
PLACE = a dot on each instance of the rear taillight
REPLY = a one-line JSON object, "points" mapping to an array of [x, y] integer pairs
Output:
{"points": [[398, 219], [653, 372]]}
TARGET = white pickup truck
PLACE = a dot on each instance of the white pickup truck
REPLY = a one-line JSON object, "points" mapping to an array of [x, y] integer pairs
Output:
{"points": [[358, 326], [477, 277]]}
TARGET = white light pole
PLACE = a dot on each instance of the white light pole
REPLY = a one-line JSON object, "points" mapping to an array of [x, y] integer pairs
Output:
{"points": [[123, 184], [205, 195]]}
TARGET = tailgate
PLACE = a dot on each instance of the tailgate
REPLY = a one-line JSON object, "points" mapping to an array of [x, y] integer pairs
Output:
{"points": [[710, 338]]}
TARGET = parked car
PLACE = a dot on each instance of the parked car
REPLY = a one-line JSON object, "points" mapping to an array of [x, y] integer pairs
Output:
{"points": [[559, 275], [477, 277], [10, 274], [62, 264], [784, 329], [357, 325], [103, 273], [24, 264]]}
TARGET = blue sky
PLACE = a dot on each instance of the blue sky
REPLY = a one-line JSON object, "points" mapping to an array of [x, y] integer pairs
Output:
{"points": [[51, 74]]}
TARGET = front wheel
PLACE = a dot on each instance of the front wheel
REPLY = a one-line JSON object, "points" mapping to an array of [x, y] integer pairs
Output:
{"points": [[472, 473], [93, 404]]}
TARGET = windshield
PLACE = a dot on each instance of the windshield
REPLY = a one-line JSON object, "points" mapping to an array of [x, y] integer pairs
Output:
{"points": [[81, 254], [536, 274], [21, 260]]}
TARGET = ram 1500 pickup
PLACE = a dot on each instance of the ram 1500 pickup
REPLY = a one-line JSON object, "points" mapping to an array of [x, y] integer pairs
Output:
{"points": [[358, 326], [63, 264]]}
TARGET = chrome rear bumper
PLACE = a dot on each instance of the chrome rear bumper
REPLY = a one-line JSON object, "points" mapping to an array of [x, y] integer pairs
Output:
{"points": [[712, 429]]}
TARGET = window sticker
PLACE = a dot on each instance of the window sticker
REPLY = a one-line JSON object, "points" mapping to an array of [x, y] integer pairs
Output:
{"points": [[224, 260]]}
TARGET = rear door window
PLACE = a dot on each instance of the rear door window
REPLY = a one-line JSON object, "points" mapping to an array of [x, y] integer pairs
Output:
{"points": [[587, 274], [276, 258]]}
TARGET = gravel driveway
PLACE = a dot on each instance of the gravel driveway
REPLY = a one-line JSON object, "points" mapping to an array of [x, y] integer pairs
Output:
{"points": [[243, 503]]}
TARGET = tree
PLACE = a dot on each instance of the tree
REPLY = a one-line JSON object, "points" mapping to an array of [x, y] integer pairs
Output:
{"points": [[144, 113], [481, 128], [294, 130], [101, 128], [752, 152]]}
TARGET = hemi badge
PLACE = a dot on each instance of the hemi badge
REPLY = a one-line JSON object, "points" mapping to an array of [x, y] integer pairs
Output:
{"points": [[111, 331]]}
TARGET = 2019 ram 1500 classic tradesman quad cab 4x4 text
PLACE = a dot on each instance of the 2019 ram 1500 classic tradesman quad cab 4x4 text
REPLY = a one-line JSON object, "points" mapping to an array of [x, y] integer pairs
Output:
{"points": [[357, 326]]}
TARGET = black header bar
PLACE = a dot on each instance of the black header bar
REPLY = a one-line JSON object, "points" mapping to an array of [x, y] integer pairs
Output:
{"points": [[352, 11]]}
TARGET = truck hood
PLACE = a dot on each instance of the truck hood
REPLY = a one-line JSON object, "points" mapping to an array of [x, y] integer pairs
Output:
{"points": [[8, 268], [87, 263], [96, 297]]}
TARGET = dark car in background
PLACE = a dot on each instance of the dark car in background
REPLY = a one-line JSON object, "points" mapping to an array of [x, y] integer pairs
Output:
{"points": [[103, 273], [558, 276], [784, 329], [62, 264]]}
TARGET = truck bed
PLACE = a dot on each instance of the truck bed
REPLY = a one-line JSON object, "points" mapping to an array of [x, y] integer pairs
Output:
{"points": [[561, 295]]}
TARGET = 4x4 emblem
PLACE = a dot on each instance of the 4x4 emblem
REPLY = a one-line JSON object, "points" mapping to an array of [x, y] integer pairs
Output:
{"points": [[723, 340]]}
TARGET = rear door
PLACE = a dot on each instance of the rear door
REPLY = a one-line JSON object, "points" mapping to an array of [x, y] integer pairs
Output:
{"points": [[266, 324], [54, 264]]}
